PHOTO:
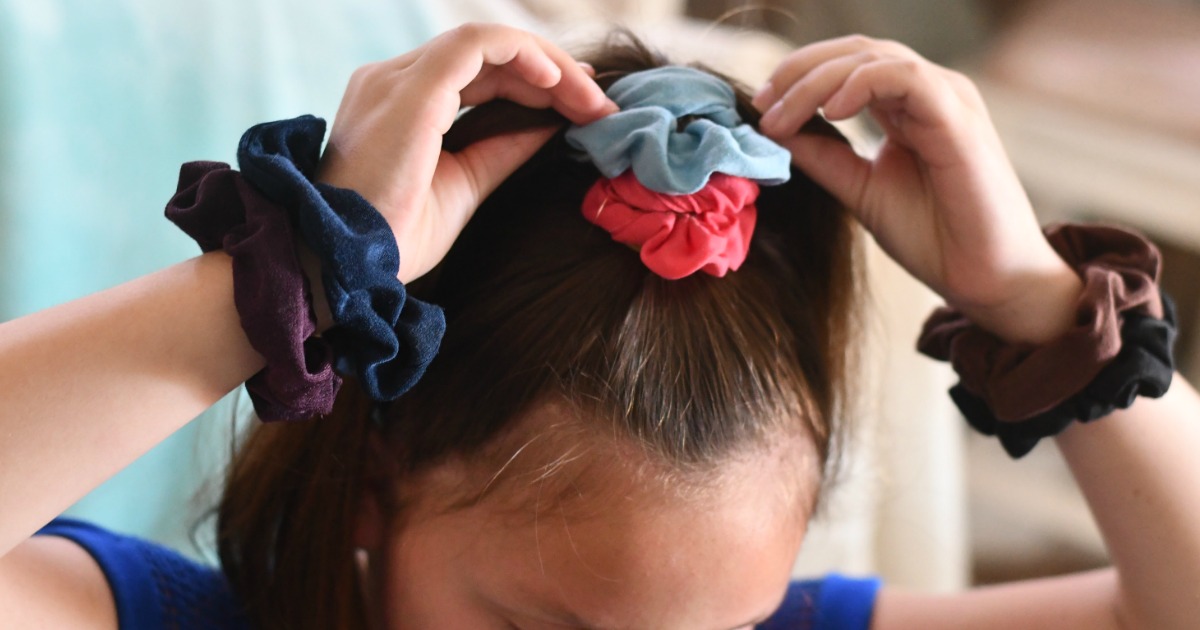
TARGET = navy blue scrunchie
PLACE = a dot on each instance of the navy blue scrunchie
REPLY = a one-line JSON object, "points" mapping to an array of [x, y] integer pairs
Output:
{"points": [[381, 335]]}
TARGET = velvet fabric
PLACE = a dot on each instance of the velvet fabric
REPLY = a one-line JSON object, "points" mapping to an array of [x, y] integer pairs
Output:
{"points": [[674, 158], [381, 335], [678, 235], [1119, 348], [219, 210]]}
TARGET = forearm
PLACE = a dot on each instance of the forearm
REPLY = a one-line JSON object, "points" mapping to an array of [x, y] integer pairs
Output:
{"points": [[89, 386], [1138, 470]]}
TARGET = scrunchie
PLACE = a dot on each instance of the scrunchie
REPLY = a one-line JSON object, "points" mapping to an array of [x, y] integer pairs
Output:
{"points": [[1119, 348], [678, 235], [646, 137], [384, 337], [219, 210], [1143, 367]]}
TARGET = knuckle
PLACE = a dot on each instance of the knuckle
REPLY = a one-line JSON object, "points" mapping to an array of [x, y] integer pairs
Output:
{"points": [[894, 46], [965, 84], [363, 74], [898, 49], [470, 32], [858, 40], [441, 100], [870, 56], [882, 48], [914, 67]]}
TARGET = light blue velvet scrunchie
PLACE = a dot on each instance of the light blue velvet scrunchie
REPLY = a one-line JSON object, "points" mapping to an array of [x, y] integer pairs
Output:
{"points": [[644, 134]]}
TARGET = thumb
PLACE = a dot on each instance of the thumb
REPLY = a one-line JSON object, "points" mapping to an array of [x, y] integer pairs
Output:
{"points": [[489, 162], [833, 165]]}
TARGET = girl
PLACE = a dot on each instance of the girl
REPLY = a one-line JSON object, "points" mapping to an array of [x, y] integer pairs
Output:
{"points": [[595, 446]]}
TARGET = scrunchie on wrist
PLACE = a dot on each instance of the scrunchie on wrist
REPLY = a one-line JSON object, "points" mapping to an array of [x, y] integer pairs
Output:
{"points": [[1120, 347], [219, 210], [381, 334]]}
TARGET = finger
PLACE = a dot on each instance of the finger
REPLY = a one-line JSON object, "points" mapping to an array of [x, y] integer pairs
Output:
{"points": [[455, 58], [834, 166], [500, 82], [452, 64], [927, 99], [806, 95], [484, 165], [577, 96], [966, 89], [802, 61], [434, 80], [497, 83]]}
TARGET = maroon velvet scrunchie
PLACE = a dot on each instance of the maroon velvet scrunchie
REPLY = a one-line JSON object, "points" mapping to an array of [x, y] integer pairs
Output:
{"points": [[1120, 272], [217, 208]]}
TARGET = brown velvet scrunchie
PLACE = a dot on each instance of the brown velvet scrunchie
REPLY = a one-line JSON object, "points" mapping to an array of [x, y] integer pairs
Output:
{"points": [[219, 210], [1120, 346]]}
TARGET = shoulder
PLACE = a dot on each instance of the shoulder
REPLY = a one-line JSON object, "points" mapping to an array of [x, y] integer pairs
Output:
{"points": [[48, 582], [144, 585]]}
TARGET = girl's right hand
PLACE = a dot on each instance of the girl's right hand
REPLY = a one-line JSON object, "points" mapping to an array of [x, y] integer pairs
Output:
{"points": [[386, 142]]}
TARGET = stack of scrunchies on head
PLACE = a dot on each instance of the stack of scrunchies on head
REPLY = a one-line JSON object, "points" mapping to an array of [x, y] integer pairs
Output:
{"points": [[679, 171], [380, 335]]}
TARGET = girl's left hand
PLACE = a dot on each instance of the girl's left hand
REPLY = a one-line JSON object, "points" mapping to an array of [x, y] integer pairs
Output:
{"points": [[387, 139], [940, 197]]}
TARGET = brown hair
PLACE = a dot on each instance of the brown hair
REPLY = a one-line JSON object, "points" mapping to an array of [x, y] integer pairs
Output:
{"points": [[540, 304]]}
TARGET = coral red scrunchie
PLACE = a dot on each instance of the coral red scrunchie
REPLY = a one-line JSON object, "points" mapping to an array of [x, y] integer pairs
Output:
{"points": [[678, 235]]}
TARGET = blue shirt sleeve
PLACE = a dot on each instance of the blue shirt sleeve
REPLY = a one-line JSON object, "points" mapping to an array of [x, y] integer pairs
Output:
{"points": [[835, 602], [152, 586]]}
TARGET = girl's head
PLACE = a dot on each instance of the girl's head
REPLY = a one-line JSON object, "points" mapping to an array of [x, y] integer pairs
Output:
{"points": [[594, 446]]}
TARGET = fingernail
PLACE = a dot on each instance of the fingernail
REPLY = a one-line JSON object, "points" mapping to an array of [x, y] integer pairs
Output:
{"points": [[765, 95], [587, 67]]}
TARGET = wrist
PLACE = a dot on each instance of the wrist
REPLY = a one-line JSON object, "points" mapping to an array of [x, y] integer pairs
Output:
{"points": [[1028, 371], [1042, 308], [316, 286]]}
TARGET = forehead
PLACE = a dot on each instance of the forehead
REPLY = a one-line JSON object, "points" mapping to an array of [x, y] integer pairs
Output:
{"points": [[584, 530], [609, 543], [644, 563], [556, 457]]}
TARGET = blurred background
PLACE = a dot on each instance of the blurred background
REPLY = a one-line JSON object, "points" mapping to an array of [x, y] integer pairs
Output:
{"points": [[1096, 101]]}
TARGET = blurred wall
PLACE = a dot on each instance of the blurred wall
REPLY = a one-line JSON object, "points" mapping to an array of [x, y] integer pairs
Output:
{"points": [[938, 29], [100, 102]]}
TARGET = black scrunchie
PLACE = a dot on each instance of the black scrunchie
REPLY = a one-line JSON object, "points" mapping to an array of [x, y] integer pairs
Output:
{"points": [[1143, 367]]}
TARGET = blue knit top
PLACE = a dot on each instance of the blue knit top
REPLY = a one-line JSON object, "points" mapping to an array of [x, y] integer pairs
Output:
{"points": [[155, 587]]}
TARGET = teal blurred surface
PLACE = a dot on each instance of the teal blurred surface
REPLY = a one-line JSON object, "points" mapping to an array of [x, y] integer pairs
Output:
{"points": [[100, 102]]}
